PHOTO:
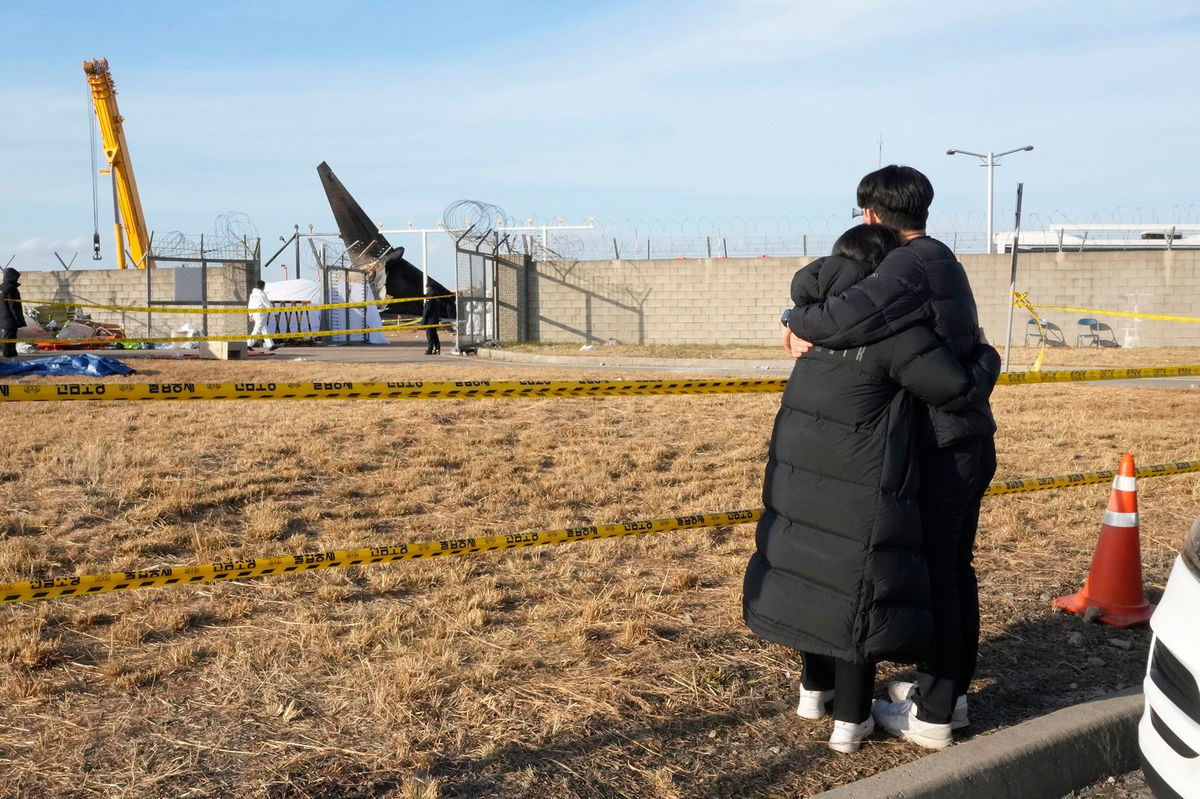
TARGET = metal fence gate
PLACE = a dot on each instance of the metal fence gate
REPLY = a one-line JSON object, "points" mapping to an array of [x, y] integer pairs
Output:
{"points": [[477, 300], [345, 284]]}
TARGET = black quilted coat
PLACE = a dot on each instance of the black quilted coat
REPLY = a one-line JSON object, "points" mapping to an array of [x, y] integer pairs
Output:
{"points": [[838, 568], [921, 282], [11, 314]]}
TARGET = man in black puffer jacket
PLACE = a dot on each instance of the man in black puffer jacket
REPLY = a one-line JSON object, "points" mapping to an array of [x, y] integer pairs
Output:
{"points": [[922, 282], [12, 316]]}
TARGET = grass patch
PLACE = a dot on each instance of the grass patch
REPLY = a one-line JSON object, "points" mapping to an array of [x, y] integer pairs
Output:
{"points": [[605, 669]]}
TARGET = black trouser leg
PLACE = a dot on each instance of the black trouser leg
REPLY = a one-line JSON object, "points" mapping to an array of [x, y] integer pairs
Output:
{"points": [[968, 582], [432, 343], [8, 350], [852, 684], [953, 480], [818, 672]]}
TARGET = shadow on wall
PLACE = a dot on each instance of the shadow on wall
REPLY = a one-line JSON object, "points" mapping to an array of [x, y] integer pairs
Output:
{"points": [[604, 316]]}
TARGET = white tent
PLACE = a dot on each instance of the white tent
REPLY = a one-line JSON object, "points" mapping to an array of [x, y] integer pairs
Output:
{"points": [[308, 292]]}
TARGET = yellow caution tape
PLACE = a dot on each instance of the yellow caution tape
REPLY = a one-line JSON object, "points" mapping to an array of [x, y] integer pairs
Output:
{"points": [[309, 561], [479, 389], [1127, 314], [105, 342], [1086, 375], [350, 390], [1002, 487], [157, 309], [1022, 301], [246, 568]]}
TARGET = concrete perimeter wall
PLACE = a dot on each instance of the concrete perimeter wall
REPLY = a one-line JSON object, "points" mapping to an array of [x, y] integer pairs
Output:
{"points": [[738, 300], [128, 287]]}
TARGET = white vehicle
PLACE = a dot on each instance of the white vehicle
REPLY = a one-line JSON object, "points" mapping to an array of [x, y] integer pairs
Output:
{"points": [[1169, 732]]}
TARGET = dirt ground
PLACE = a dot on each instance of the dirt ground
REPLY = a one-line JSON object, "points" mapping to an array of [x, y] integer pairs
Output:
{"points": [[605, 669], [1124, 786]]}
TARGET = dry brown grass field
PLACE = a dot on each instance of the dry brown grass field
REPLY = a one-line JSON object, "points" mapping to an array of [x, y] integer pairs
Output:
{"points": [[1056, 357], [604, 669]]}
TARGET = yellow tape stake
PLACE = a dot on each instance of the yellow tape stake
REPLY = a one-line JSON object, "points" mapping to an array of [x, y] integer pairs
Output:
{"points": [[404, 389], [1021, 300], [484, 389], [162, 576]]}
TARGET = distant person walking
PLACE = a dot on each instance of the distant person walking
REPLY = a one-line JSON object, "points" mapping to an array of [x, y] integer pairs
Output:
{"points": [[258, 302], [12, 316], [838, 572], [431, 315]]}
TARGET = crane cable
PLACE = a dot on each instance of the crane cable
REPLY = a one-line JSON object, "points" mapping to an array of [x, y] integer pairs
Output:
{"points": [[96, 256]]}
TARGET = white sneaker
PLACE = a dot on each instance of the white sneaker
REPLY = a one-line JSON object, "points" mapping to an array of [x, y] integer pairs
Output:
{"points": [[812, 703], [900, 691], [847, 736], [900, 718]]}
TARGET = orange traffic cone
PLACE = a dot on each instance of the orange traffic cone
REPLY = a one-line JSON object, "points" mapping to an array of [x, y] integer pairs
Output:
{"points": [[1114, 583]]}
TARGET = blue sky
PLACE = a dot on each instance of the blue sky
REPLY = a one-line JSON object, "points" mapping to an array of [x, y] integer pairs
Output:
{"points": [[620, 111]]}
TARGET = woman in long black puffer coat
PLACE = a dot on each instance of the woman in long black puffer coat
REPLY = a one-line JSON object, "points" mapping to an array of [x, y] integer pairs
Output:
{"points": [[838, 573]]}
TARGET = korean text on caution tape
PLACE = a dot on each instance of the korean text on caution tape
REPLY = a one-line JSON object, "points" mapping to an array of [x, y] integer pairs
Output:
{"points": [[246, 568]]}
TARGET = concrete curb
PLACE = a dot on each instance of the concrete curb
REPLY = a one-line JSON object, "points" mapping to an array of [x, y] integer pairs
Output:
{"points": [[1047, 757], [595, 361]]}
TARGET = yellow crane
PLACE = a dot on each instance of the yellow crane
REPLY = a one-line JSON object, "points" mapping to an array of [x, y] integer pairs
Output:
{"points": [[130, 224]]}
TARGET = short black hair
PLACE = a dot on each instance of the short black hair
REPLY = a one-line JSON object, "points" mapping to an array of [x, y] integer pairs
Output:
{"points": [[262, 284], [900, 195], [868, 243]]}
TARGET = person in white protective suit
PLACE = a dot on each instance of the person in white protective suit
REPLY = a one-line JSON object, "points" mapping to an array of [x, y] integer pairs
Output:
{"points": [[259, 301]]}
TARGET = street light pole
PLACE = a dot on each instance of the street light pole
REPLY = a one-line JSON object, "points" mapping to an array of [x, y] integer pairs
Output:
{"points": [[989, 160]]}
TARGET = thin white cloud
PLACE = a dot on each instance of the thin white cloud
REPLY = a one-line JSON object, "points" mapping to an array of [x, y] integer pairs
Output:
{"points": [[661, 104]]}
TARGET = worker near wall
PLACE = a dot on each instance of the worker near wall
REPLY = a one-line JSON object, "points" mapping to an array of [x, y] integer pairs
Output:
{"points": [[431, 315], [259, 301], [12, 316]]}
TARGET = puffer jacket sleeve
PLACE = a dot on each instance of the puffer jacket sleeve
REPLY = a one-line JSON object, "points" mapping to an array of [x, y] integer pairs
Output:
{"points": [[925, 367], [984, 369], [805, 284], [893, 298]]}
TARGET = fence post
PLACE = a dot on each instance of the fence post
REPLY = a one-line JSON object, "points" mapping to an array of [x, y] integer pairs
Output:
{"points": [[616, 252], [647, 249], [805, 245], [708, 240], [725, 247], [203, 285]]}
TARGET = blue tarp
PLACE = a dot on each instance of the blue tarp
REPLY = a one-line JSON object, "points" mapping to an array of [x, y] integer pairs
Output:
{"points": [[84, 364]]}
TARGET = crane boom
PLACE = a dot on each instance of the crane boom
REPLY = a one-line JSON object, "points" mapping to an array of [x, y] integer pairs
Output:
{"points": [[130, 224]]}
